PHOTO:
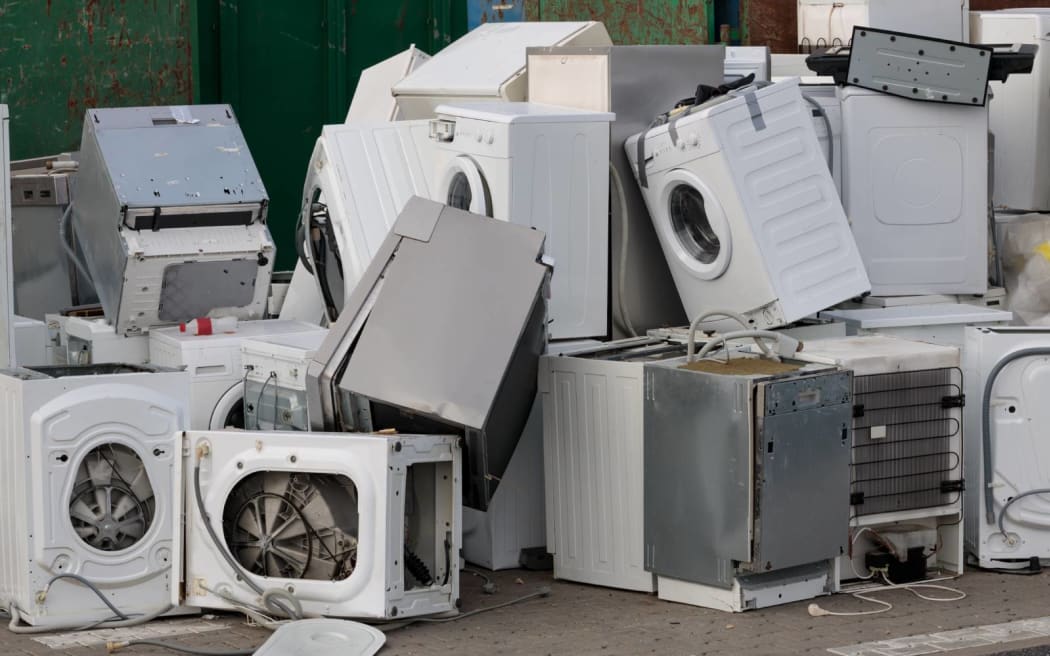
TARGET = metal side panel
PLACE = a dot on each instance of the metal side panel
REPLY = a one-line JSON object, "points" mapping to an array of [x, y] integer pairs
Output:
{"points": [[919, 68], [7, 290], [803, 475]]}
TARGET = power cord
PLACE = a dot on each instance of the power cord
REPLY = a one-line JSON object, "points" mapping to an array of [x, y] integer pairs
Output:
{"points": [[487, 587], [958, 595]]}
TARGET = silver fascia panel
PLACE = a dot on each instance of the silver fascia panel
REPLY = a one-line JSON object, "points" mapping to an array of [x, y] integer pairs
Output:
{"points": [[918, 67], [644, 82], [720, 503], [446, 328]]}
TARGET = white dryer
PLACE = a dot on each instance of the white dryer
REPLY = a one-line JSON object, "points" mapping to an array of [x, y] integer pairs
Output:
{"points": [[487, 64], [359, 178], [89, 469], [541, 166], [1007, 453], [1018, 110], [217, 379], [915, 188], [350, 525], [746, 209]]}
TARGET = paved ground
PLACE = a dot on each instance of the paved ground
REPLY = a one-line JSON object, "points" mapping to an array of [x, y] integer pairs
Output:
{"points": [[584, 620]]}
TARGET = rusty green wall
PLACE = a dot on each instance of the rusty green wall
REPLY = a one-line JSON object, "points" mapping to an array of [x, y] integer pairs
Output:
{"points": [[635, 21], [60, 57]]}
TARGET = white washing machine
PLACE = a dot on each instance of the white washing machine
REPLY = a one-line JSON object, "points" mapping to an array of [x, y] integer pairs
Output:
{"points": [[915, 189], [359, 178], [541, 166], [214, 362], [275, 380], [742, 61], [746, 209], [824, 23], [1007, 453], [350, 525], [941, 323], [823, 92], [90, 470], [1018, 110], [95, 341], [487, 64]]}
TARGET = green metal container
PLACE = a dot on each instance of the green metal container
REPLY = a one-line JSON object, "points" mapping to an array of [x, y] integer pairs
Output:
{"points": [[631, 22], [60, 57]]}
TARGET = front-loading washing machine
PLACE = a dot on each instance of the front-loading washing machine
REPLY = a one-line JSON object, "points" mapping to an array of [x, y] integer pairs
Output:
{"points": [[217, 379], [89, 469], [746, 209], [359, 178], [542, 166], [915, 188]]}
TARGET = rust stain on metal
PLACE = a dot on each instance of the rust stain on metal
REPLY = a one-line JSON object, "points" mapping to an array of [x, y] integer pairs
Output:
{"points": [[634, 21], [772, 23]]}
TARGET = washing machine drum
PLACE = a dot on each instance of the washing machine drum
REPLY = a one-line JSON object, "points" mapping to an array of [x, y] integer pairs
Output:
{"points": [[694, 225], [229, 411], [464, 187]]}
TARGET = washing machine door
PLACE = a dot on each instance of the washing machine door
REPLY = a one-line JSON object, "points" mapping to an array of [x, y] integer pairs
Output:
{"points": [[229, 411], [693, 225], [463, 186]]}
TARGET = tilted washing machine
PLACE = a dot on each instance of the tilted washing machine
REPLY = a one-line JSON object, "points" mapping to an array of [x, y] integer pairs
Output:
{"points": [[359, 178], [746, 209], [541, 166], [90, 467], [487, 64], [1018, 108], [1007, 454], [350, 525], [217, 378], [906, 459], [275, 380], [373, 98], [171, 214]]}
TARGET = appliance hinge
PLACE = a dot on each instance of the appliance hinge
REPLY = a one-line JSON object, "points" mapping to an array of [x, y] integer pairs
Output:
{"points": [[957, 401], [953, 486]]}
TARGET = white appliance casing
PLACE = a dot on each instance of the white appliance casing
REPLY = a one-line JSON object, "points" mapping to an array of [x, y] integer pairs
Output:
{"points": [[875, 355], [785, 248], [915, 189], [1020, 451], [487, 64], [824, 23], [31, 337], [277, 365], [94, 341], [365, 173], [214, 364], [1018, 109], [48, 427], [546, 167], [379, 469], [826, 95], [942, 323], [742, 61], [374, 98]]}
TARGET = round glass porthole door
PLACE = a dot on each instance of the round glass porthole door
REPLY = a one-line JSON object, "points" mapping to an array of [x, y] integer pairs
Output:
{"points": [[464, 187], [695, 225]]}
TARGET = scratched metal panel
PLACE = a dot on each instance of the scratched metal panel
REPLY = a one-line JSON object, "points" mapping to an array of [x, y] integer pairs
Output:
{"points": [[772, 23], [630, 22], [60, 57]]}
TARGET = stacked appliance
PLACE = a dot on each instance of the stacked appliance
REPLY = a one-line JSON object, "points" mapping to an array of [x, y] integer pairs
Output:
{"points": [[275, 379], [356, 525], [593, 404], [30, 337], [91, 468], [828, 23], [90, 339], [217, 378], [906, 460], [1008, 511], [171, 216], [746, 209], [760, 450]]}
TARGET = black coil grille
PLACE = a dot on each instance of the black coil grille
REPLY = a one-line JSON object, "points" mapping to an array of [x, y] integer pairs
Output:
{"points": [[913, 466]]}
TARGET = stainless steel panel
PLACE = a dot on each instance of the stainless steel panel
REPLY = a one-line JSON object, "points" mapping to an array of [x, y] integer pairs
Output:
{"points": [[803, 471], [698, 474], [919, 68]]}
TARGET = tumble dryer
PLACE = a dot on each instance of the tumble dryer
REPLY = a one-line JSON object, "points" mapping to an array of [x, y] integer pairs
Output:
{"points": [[349, 525], [541, 166], [90, 469], [746, 209], [1007, 453], [915, 189], [217, 379], [359, 177]]}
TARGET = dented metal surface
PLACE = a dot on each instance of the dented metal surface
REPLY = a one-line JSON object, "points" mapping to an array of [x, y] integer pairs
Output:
{"points": [[61, 57]]}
